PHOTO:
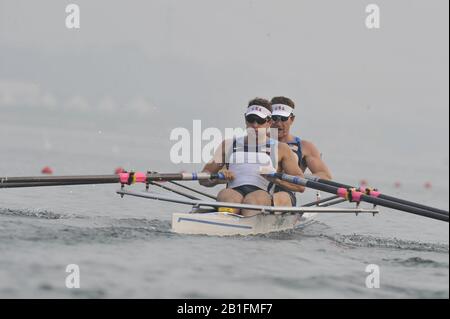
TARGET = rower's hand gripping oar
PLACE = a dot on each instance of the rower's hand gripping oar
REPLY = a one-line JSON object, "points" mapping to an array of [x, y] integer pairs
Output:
{"points": [[353, 195]]}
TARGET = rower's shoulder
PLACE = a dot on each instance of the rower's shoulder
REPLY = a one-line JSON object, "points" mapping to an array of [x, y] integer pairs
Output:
{"points": [[283, 147], [308, 146], [306, 143]]}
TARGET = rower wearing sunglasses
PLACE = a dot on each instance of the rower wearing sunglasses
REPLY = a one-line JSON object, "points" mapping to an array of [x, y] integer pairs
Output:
{"points": [[243, 158], [306, 153]]}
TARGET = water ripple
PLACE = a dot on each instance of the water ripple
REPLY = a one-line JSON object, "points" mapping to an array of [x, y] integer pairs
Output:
{"points": [[417, 261], [367, 241], [133, 229], [35, 213]]}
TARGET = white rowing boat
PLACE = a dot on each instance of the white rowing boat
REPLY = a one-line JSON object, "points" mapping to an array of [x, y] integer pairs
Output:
{"points": [[229, 224], [267, 219]]}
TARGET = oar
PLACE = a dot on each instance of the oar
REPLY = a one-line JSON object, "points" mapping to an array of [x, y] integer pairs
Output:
{"points": [[40, 184], [356, 196], [123, 178], [374, 193], [8, 184]]}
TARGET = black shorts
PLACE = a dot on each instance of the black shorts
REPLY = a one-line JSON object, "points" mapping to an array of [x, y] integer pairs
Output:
{"points": [[244, 190], [291, 194]]}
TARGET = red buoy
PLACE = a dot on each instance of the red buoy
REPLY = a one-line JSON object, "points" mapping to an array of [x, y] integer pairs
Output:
{"points": [[47, 170], [397, 184], [427, 185]]}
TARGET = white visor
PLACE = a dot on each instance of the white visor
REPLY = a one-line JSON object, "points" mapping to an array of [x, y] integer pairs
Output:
{"points": [[259, 110], [282, 110]]}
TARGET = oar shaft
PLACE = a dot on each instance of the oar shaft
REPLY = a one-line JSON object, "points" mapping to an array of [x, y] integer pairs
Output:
{"points": [[418, 205], [123, 178], [402, 207], [358, 196], [61, 179], [379, 195], [40, 184]]}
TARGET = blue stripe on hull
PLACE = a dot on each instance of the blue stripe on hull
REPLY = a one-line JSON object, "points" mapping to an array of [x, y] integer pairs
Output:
{"points": [[213, 223]]}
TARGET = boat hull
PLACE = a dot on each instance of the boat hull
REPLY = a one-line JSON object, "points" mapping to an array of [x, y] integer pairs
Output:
{"points": [[226, 224]]}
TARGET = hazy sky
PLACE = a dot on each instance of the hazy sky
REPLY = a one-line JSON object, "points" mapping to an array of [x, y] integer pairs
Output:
{"points": [[206, 58]]}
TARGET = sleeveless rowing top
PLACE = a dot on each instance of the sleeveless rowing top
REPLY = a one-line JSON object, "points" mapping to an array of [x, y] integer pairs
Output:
{"points": [[296, 147], [246, 160]]}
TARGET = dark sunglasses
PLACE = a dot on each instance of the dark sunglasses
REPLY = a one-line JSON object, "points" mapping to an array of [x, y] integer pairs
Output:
{"points": [[277, 118], [252, 118]]}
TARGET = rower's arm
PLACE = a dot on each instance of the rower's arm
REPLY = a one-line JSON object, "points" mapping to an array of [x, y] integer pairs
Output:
{"points": [[214, 166], [289, 166], [314, 161]]}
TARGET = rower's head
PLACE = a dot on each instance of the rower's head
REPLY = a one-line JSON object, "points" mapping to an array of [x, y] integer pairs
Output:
{"points": [[282, 115], [258, 114]]}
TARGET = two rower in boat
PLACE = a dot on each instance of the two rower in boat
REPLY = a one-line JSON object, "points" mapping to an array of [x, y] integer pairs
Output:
{"points": [[242, 159]]}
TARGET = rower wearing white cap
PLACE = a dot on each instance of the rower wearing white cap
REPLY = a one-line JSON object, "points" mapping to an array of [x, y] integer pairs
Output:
{"points": [[245, 157], [307, 154]]}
